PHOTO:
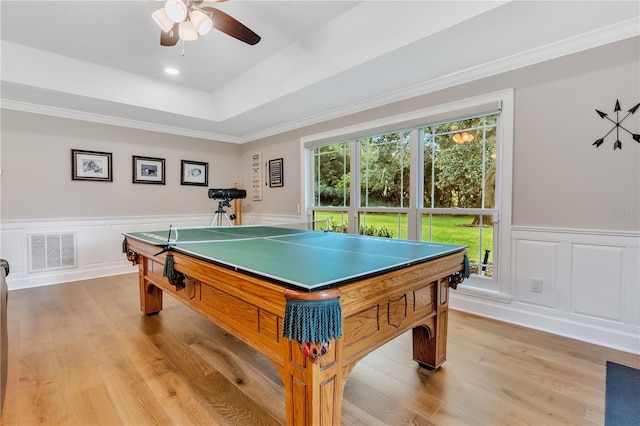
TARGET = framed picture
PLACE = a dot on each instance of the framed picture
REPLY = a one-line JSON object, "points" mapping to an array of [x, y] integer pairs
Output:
{"points": [[91, 165], [148, 170], [194, 173], [276, 173], [256, 176]]}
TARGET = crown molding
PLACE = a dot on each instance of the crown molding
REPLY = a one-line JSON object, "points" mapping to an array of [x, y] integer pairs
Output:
{"points": [[599, 37], [113, 121]]}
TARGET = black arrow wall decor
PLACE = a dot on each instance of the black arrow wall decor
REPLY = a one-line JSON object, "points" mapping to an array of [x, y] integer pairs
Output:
{"points": [[617, 126]]}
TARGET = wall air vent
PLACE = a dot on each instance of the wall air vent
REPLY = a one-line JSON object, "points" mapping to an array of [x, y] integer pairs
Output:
{"points": [[52, 251]]}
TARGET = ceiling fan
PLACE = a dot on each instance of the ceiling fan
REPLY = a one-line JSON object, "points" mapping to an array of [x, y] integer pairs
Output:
{"points": [[185, 19]]}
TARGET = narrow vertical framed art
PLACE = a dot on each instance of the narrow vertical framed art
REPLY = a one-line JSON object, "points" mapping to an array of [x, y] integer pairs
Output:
{"points": [[276, 173], [256, 176]]}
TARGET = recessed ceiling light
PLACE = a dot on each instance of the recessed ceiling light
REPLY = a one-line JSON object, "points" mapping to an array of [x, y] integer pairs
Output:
{"points": [[171, 71]]}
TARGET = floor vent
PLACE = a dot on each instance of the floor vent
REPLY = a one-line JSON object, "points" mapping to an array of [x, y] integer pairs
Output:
{"points": [[52, 251]]}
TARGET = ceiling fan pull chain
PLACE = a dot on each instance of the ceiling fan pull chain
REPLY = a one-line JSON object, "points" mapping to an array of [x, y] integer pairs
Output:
{"points": [[182, 47]]}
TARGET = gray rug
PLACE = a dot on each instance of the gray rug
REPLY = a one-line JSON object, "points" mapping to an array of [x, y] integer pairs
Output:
{"points": [[622, 399]]}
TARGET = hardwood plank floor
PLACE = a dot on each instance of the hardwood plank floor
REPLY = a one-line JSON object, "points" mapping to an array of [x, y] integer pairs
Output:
{"points": [[82, 354]]}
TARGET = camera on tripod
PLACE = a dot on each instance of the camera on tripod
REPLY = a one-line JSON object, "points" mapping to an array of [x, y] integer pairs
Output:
{"points": [[226, 195]]}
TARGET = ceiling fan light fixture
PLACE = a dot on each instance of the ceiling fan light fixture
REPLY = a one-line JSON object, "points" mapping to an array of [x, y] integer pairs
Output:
{"points": [[184, 20], [176, 10], [187, 31], [201, 21], [163, 20]]}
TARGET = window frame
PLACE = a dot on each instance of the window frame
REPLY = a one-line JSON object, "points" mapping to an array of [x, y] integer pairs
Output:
{"points": [[498, 287], [422, 211]]}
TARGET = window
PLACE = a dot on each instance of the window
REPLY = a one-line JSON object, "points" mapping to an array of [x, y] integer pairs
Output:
{"points": [[331, 175], [384, 170], [440, 177], [331, 185], [459, 182], [385, 166]]}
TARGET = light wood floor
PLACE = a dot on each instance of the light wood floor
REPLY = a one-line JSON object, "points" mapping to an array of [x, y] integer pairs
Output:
{"points": [[82, 354]]}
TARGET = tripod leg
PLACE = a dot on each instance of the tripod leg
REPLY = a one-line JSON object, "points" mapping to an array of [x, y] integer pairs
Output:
{"points": [[217, 217]]}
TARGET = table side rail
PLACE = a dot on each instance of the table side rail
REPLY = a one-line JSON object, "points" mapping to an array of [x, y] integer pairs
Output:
{"points": [[253, 325], [246, 314], [360, 294], [377, 310], [268, 295]]}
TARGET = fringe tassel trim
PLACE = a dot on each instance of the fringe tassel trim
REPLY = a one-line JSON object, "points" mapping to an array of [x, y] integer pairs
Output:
{"points": [[312, 321], [168, 270]]}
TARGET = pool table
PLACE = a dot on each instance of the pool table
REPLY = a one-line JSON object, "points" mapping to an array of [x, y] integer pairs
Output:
{"points": [[242, 283]]}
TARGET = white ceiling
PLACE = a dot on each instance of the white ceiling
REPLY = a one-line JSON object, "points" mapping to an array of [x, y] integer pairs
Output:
{"points": [[102, 60]]}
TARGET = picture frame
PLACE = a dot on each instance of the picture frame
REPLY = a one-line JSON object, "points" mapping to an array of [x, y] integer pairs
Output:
{"points": [[149, 170], [256, 176], [276, 173], [194, 173], [91, 165]]}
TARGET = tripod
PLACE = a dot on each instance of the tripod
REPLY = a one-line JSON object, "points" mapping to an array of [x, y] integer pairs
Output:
{"points": [[221, 213]]}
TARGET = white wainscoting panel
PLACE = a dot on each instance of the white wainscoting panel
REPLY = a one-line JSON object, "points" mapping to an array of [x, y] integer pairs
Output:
{"points": [[269, 219], [536, 260], [98, 245], [13, 249], [631, 278], [596, 281], [91, 245], [590, 286]]}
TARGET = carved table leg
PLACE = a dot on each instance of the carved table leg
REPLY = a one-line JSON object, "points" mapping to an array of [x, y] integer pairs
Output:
{"points": [[150, 295], [430, 340], [313, 390]]}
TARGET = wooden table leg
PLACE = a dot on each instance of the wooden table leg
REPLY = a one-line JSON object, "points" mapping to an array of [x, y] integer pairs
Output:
{"points": [[430, 340], [313, 390], [150, 295]]}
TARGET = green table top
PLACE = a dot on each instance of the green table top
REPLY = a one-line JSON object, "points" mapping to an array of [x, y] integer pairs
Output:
{"points": [[308, 260]]}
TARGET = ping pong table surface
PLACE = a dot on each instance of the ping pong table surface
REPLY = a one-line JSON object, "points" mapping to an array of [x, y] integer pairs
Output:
{"points": [[301, 258]]}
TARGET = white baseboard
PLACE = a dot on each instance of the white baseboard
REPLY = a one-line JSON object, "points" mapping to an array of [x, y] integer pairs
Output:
{"points": [[616, 336], [24, 281]]}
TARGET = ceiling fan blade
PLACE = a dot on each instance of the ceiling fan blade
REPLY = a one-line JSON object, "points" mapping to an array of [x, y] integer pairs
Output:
{"points": [[171, 37], [228, 25]]}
